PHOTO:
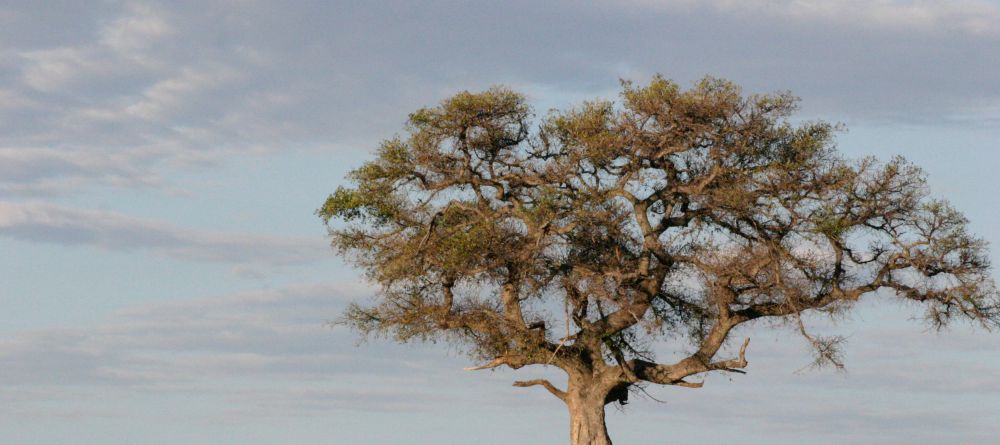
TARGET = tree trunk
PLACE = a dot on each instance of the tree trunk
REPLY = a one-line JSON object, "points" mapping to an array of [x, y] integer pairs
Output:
{"points": [[586, 421]]}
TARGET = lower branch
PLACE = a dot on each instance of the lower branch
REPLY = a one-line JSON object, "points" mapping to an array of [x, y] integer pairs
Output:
{"points": [[545, 384], [675, 374]]}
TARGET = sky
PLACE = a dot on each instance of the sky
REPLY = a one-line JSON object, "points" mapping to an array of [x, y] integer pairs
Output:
{"points": [[164, 279]]}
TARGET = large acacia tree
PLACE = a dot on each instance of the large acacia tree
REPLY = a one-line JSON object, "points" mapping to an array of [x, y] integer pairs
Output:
{"points": [[578, 241]]}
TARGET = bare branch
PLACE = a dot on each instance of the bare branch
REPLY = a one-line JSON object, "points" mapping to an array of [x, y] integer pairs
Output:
{"points": [[497, 362], [736, 364], [545, 384]]}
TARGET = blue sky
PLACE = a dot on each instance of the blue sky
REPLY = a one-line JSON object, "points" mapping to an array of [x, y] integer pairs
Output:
{"points": [[164, 278]]}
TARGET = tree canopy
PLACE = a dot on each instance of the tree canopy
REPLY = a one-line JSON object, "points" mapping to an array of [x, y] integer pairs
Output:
{"points": [[579, 240]]}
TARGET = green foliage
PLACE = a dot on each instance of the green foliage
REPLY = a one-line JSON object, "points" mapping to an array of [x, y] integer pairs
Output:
{"points": [[344, 203], [352, 204]]}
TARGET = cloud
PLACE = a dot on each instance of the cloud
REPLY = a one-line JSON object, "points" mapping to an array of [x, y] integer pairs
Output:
{"points": [[172, 93], [135, 30], [126, 45], [269, 354], [39, 170], [966, 16], [137, 88], [180, 345], [49, 69], [258, 353], [42, 222]]}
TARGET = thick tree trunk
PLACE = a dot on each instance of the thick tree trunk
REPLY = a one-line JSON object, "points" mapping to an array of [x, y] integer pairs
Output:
{"points": [[586, 421]]}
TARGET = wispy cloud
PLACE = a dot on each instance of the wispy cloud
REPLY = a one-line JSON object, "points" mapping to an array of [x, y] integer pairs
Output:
{"points": [[270, 354], [136, 86], [134, 93], [968, 16], [127, 45], [186, 348], [184, 345], [136, 30], [42, 222], [40, 170], [167, 95]]}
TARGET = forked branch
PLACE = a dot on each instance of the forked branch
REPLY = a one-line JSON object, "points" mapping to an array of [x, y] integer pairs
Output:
{"points": [[733, 365], [676, 373]]}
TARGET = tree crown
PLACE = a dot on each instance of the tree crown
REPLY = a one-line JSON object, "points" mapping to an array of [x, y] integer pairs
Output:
{"points": [[672, 212]]}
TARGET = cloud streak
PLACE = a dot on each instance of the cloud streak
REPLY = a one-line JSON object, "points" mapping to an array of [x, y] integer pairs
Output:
{"points": [[978, 17], [42, 222], [130, 92], [124, 92], [261, 353], [269, 354]]}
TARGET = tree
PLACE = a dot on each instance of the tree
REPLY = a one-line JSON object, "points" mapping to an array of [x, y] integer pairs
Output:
{"points": [[682, 214]]}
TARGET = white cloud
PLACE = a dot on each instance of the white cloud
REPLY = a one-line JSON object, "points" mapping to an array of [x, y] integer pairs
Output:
{"points": [[146, 87], [134, 31], [125, 45], [114, 108], [970, 16], [41, 222], [177, 91], [52, 69], [38, 170]]}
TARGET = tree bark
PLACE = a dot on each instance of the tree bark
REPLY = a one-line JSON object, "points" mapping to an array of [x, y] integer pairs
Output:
{"points": [[586, 419]]}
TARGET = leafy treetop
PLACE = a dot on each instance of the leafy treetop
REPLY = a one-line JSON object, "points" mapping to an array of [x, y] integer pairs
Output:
{"points": [[578, 241]]}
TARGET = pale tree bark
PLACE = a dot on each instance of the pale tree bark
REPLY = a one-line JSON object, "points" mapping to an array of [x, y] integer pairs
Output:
{"points": [[586, 422], [585, 400]]}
